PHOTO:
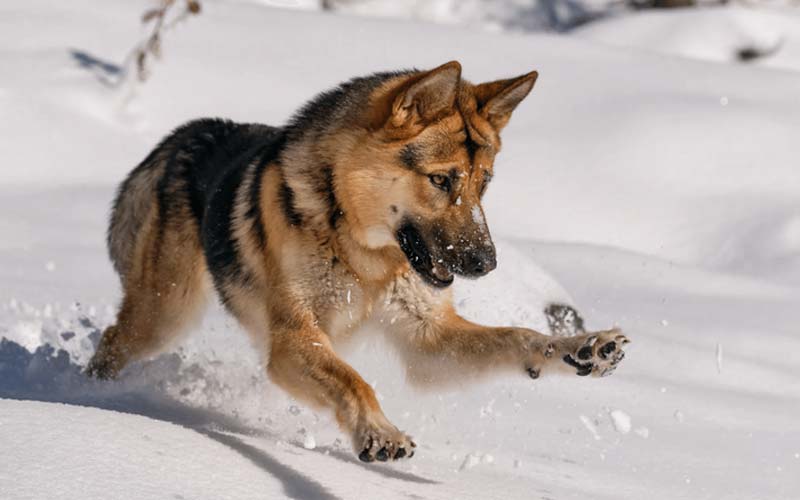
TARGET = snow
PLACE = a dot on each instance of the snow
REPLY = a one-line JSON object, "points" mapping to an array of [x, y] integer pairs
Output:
{"points": [[66, 451], [712, 33], [621, 421], [651, 191]]}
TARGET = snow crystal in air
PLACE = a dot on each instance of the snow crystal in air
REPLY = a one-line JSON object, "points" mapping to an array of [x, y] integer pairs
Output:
{"points": [[719, 358], [590, 426], [470, 461], [642, 432], [28, 334], [621, 421], [309, 442], [477, 216], [487, 410]]}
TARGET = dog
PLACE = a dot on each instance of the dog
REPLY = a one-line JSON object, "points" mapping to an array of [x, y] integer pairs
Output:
{"points": [[363, 206]]}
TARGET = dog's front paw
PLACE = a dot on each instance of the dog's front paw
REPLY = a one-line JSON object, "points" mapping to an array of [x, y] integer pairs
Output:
{"points": [[382, 441], [596, 354]]}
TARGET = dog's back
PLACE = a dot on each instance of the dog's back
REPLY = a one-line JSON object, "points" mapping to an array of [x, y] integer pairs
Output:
{"points": [[178, 179]]}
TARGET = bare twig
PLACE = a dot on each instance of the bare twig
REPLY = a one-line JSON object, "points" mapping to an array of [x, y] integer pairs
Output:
{"points": [[151, 45]]}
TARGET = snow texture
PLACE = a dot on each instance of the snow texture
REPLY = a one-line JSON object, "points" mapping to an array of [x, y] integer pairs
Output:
{"points": [[639, 182]]}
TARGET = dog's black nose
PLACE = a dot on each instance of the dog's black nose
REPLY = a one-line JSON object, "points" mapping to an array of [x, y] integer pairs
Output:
{"points": [[479, 263]]}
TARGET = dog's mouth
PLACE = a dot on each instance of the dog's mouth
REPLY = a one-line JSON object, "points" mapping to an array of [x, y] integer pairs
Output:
{"points": [[413, 245]]}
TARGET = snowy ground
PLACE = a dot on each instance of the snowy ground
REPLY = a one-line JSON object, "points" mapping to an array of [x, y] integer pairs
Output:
{"points": [[654, 191]]}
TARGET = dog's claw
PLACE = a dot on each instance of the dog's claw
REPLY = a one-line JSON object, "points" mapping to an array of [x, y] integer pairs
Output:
{"points": [[364, 456], [382, 447]]}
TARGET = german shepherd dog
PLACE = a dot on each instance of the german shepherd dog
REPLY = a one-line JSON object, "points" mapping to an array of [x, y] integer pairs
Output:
{"points": [[364, 206]]}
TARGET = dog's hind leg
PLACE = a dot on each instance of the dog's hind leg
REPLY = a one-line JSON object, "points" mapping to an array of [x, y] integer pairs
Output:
{"points": [[164, 291], [564, 320]]}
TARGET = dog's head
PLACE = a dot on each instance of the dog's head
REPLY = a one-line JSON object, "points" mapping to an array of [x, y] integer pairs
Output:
{"points": [[423, 166]]}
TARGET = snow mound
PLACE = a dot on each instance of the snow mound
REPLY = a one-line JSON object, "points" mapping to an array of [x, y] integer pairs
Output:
{"points": [[735, 33]]}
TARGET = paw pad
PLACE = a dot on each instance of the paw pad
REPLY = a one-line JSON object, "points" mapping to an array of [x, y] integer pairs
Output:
{"points": [[598, 354]]}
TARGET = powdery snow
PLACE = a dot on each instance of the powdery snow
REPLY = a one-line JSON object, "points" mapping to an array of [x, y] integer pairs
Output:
{"points": [[650, 191], [621, 420], [713, 33]]}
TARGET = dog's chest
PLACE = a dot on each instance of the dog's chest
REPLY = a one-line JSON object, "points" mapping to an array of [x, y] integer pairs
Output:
{"points": [[341, 302]]}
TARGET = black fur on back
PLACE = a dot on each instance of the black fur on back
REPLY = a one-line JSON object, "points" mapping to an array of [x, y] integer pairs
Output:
{"points": [[207, 172], [201, 166]]}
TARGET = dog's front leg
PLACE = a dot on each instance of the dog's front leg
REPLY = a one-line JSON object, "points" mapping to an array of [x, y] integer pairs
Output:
{"points": [[442, 346], [303, 362]]}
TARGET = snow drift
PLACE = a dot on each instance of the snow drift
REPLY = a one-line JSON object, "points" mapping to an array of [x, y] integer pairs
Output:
{"points": [[654, 192]]}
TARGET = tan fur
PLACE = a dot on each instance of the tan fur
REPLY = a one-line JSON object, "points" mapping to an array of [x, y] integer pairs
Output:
{"points": [[165, 292], [314, 285]]}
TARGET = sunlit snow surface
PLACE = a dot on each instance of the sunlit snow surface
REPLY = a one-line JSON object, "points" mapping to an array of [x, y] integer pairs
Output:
{"points": [[653, 192]]}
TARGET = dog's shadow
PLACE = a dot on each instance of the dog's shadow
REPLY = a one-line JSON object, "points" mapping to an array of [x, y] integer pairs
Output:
{"points": [[51, 376]]}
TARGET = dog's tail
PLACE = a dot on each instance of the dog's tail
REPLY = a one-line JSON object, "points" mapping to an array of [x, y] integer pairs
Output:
{"points": [[135, 203]]}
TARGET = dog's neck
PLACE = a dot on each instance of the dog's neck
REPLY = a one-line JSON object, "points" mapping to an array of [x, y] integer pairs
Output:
{"points": [[369, 265]]}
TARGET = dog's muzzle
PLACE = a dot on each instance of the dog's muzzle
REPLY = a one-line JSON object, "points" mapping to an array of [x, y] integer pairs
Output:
{"points": [[478, 263], [419, 256]]}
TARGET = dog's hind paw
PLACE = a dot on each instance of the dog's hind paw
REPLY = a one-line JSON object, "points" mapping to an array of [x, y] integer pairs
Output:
{"points": [[383, 443], [564, 320], [596, 354], [101, 368]]}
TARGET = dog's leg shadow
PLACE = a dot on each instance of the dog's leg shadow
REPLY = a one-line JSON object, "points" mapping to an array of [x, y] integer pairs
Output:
{"points": [[378, 469], [295, 484], [49, 375]]}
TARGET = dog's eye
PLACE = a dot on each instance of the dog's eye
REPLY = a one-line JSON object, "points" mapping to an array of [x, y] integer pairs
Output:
{"points": [[440, 181]]}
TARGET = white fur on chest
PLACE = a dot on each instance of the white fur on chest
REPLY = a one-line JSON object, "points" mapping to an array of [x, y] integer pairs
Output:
{"points": [[408, 296]]}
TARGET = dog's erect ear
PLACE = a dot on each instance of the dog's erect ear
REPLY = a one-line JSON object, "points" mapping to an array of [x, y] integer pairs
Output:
{"points": [[428, 95], [498, 99]]}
